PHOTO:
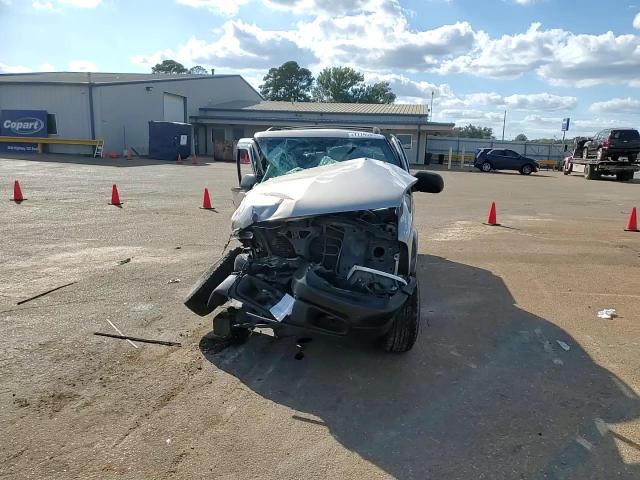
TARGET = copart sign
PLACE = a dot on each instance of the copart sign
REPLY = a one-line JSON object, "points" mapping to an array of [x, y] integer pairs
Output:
{"points": [[23, 123]]}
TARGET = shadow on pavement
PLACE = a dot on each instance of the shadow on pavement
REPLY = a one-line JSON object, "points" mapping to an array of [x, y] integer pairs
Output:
{"points": [[487, 392], [105, 162]]}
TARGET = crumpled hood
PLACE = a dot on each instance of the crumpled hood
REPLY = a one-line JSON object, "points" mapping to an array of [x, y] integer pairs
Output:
{"points": [[360, 184]]}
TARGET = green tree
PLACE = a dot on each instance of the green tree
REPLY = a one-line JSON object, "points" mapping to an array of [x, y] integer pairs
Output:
{"points": [[377, 93], [346, 85], [337, 84], [521, 137], [473, 131], [287, 82], [169, 66], [198, 70]]}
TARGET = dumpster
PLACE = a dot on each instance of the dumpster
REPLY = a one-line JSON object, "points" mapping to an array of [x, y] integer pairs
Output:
{"points": [[167, 140]]}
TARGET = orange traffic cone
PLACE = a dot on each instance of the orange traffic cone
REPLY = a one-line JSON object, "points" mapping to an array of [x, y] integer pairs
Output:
{"points": [[632, 223], [206, 201], [17, 193], [129, 157], [115, 197], [492, 220], [179, 159]]}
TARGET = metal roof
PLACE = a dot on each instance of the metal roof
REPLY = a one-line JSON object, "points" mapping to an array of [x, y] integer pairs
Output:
{"points": [[76, 78], [317, 107]]}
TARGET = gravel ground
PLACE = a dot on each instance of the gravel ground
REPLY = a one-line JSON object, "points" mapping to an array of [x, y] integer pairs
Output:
{"points": [[487, 392]]}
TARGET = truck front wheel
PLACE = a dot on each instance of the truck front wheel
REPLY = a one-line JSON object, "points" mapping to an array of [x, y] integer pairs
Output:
{"points": [[589, 172]]}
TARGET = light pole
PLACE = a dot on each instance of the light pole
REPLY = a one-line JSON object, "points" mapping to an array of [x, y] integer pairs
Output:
{"points": [[504, 122], [431, 107]]}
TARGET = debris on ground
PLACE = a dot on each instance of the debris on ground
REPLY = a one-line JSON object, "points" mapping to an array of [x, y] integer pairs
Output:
{"points": [[137, 339], [120, 333], [564, 345], [126, 260], [173, 280], [44, 293], [607, 313]]}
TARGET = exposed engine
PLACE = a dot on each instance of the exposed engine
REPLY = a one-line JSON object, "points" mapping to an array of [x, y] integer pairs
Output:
{"points": [[337, 267], [355, 251]]}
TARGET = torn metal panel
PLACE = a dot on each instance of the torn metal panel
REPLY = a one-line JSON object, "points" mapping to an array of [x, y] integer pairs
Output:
{"points": [[353, 185]]}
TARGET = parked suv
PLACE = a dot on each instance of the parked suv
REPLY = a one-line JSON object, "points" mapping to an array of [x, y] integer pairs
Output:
{"points": [[499, 159], [613, 143]]}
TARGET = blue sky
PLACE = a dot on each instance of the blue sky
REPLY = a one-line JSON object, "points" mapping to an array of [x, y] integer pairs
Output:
{"points": [[540, 60]]}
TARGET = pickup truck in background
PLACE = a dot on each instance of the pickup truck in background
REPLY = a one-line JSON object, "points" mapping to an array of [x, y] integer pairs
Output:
{"points": [[612, 151]]}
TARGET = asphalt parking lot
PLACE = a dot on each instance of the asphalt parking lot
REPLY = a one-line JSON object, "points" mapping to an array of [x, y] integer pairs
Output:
{"points": [[487, 392]]}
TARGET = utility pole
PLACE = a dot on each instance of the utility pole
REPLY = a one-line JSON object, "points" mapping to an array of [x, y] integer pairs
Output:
{"points": [[431, 107], [504, 122]]}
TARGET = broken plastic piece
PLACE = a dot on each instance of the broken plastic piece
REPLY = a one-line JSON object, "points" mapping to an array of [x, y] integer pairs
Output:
{"points": [[283, 307], [564, 346], [607, 313], [174, 280], [126, 260]]}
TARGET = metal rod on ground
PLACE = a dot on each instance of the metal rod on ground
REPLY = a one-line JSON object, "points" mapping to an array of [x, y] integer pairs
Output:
{"points": [[44, 293], [122, 334], [142, 340], [450, 154]]}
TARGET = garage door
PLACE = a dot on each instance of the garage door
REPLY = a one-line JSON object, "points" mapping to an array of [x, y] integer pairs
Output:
{"points": [[174, 108]]}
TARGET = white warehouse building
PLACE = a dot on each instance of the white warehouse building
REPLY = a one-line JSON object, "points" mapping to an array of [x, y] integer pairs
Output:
{"points": [[117, 107]]}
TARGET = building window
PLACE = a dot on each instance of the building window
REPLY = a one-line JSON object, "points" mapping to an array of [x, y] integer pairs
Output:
{"points": [[238, 133], [406, 140], [52, 126]]}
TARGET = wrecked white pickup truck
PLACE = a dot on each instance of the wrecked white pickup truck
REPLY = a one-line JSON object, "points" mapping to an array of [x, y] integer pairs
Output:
{"points": [[327, 242]]}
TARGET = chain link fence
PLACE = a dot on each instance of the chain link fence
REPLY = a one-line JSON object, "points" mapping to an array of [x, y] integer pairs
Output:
{"points": [[464, 149]]}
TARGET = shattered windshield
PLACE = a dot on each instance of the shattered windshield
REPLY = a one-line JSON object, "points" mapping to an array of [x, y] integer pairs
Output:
{"points": [[284, 155]]}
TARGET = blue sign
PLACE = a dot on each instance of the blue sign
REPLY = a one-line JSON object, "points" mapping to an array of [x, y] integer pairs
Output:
{"points": [[565, 124], [22, 123]]}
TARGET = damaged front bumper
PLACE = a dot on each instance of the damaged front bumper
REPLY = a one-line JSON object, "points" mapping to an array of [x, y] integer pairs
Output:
{"points": [[315, 304]]}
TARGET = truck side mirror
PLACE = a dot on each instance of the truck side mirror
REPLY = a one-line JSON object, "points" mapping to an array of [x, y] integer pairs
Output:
{"points": [[244, 163], [428, 182]]}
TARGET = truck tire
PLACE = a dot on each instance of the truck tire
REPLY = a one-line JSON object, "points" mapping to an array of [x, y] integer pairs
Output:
{"points": [[406, 326], [624, 176], [589, 172], [198, 298], [567, 170]]}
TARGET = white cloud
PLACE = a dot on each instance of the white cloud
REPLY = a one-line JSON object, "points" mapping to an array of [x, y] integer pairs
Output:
{"points": [[223, 7], [540, 101], [46, 67], [82, 66], [617, 105], [636, 21], [241, 46], [4, 68], [587, 60], [42, 5], [56, 5], [81, 3], [508, 56], [377, 34]]}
